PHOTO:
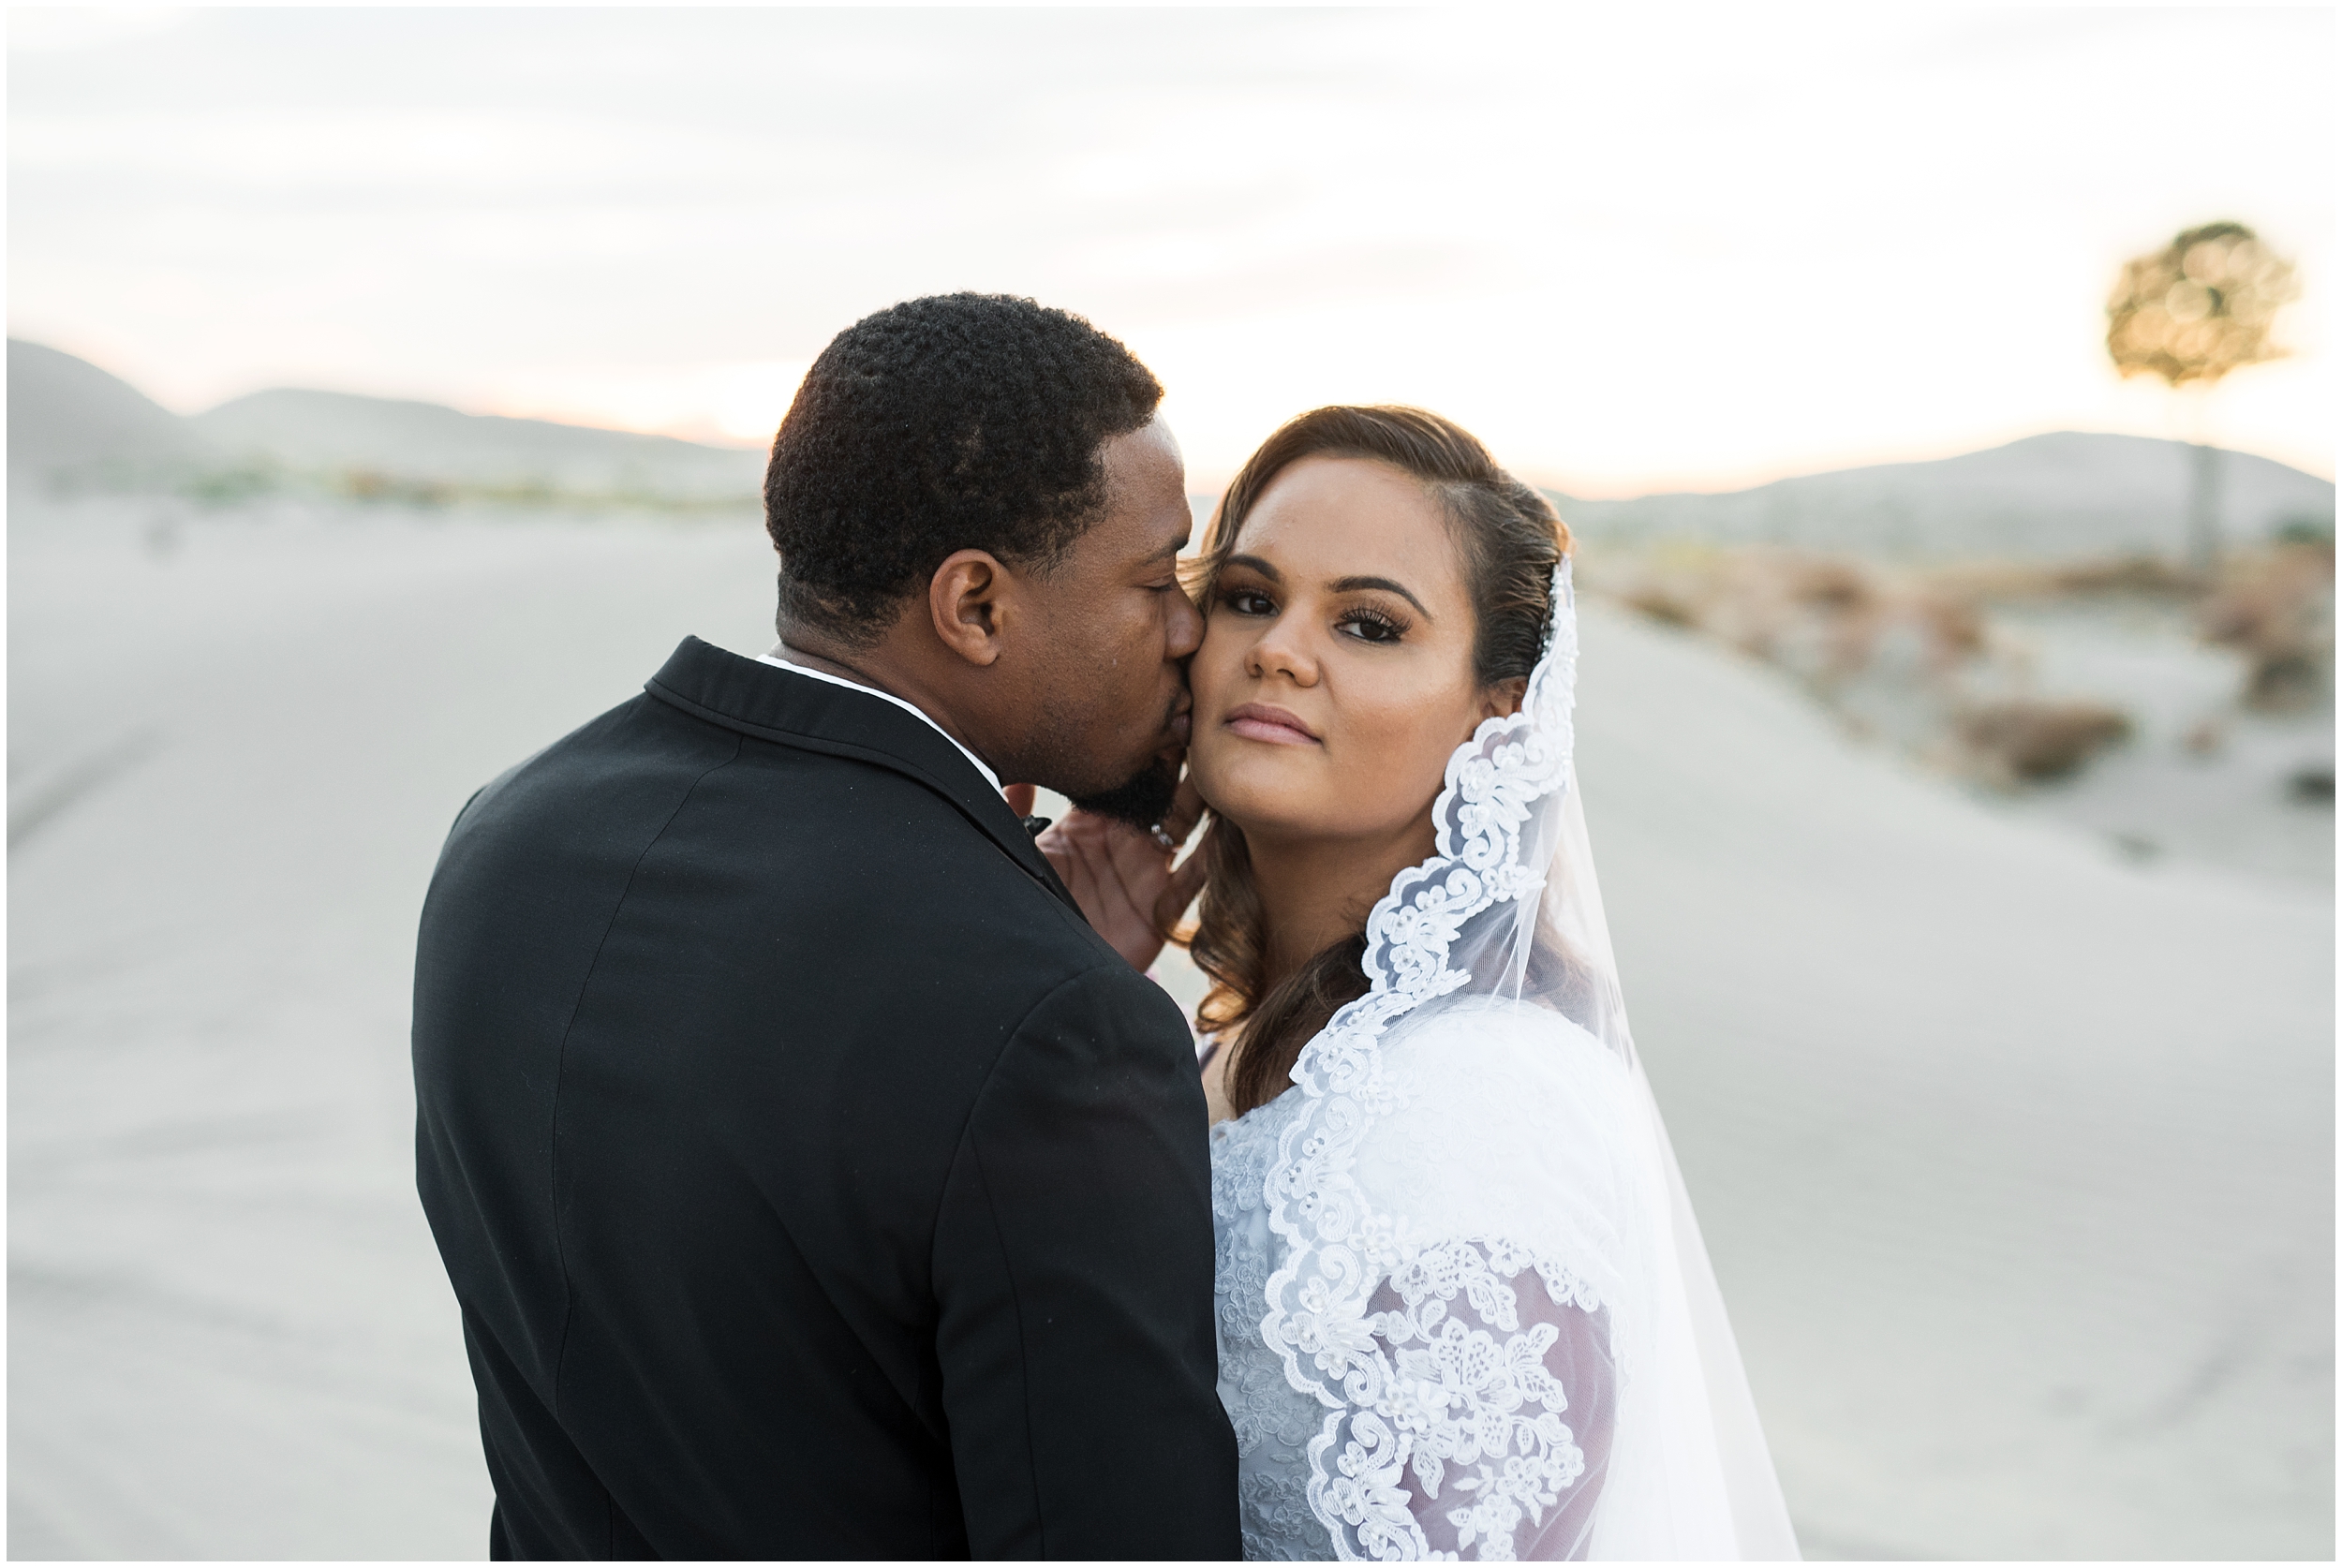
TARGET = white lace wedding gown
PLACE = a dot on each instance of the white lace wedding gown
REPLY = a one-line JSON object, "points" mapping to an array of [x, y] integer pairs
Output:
{"points": [[1464, 1308]]}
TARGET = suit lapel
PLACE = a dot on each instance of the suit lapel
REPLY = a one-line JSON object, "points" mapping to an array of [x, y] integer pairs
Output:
{"points": [[779, 706]]}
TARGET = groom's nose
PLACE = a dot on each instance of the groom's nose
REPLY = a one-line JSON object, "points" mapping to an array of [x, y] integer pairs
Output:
{"points": [[1186, 629]]}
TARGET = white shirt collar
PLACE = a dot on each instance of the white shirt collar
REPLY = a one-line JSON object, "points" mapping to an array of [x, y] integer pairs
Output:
{"points": [[916, 712]]}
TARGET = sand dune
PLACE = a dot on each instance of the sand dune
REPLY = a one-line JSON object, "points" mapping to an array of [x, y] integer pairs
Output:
{"points": [[2016, 1160]]}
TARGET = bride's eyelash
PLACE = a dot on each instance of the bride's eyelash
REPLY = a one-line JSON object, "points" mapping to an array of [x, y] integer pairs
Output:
{"points": [[1250, 601], [1392, 627]]}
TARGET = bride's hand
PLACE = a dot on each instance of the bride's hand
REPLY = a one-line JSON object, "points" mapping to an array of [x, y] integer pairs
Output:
{"points": [[1123, 879]]}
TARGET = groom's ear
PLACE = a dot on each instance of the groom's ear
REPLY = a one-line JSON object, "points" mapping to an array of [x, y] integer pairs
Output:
{"points": [[964, 602]]}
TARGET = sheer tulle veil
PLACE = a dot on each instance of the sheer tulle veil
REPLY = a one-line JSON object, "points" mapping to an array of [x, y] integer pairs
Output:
{"points": [[1501, 932]]}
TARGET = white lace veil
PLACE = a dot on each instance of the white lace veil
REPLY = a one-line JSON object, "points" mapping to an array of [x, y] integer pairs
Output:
{"points": [[1502, 931]]}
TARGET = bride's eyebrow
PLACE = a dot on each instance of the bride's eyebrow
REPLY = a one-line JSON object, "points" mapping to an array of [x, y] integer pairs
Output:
{"points": [[1253, 563], [1352, 585]]}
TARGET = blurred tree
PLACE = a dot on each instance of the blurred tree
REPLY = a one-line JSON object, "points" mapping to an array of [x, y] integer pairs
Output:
{"points": [[2190, 313]]}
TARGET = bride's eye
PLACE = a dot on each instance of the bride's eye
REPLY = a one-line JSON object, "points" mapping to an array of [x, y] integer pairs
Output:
{"points": [[1372, 626], [1247, 602]]}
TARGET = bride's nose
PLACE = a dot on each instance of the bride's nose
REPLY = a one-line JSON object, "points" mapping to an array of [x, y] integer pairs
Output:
{"points": [[1281, 651]]}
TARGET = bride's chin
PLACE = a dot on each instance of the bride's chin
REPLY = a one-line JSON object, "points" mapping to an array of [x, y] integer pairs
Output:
{"points": [[1265, 816], [1237, 795]]}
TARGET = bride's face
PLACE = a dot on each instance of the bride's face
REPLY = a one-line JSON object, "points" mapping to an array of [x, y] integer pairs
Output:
{"points": [[1335, 675]]}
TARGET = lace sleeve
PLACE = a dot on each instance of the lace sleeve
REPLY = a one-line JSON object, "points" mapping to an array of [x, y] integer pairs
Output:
{"points": [[1488, 1437]]}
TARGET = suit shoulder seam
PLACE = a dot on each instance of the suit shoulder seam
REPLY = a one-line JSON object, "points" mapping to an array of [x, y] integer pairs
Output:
{"points": [[561, 1058]]}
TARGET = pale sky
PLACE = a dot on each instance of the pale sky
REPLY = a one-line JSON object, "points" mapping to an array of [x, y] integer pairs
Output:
{"points": [[1634, 248]]}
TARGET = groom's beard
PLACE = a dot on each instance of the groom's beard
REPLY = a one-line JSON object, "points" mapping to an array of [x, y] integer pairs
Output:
{"points": [[1141, 800]]}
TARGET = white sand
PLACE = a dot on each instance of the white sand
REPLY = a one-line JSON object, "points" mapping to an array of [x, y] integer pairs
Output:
{"points": [[2016, 1160]]}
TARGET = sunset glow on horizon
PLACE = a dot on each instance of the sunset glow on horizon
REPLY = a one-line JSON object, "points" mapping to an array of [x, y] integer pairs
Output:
{"points": [[1695, 251]]}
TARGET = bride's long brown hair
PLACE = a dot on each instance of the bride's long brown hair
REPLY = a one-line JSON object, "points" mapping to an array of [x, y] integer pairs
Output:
{"points": [[1509, 541]]}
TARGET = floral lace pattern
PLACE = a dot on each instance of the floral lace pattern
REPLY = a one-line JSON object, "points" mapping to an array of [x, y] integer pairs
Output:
{"points": [[1469, 1430], [1470, 1415]]}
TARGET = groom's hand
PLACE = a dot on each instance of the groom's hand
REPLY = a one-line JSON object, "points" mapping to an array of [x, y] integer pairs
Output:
{"points": [[1123, 879]]}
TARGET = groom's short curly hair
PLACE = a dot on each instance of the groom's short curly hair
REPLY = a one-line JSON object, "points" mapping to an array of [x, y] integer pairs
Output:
{"points": [[953, 422]]}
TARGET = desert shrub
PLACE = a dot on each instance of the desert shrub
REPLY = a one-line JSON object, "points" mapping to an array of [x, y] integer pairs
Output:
{"points": [[2026, 739], [2277, 611]]}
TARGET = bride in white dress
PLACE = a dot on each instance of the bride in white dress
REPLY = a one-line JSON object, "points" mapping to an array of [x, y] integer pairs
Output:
{"points": [[1465, 1309]]}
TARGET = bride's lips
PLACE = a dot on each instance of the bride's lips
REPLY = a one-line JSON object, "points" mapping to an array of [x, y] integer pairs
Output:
{"points": [[1259, 721]]}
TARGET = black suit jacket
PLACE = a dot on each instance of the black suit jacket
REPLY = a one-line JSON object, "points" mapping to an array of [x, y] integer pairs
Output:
{"points": [[814, 1181]]}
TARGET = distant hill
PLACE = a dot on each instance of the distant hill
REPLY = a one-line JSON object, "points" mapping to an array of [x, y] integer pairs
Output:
{"points": [[422, 443], [73, 427], [70, 423], [2058, 496]]}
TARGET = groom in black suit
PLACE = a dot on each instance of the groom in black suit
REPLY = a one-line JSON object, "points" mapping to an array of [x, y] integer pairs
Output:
{"points": [[814, 1180]]}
